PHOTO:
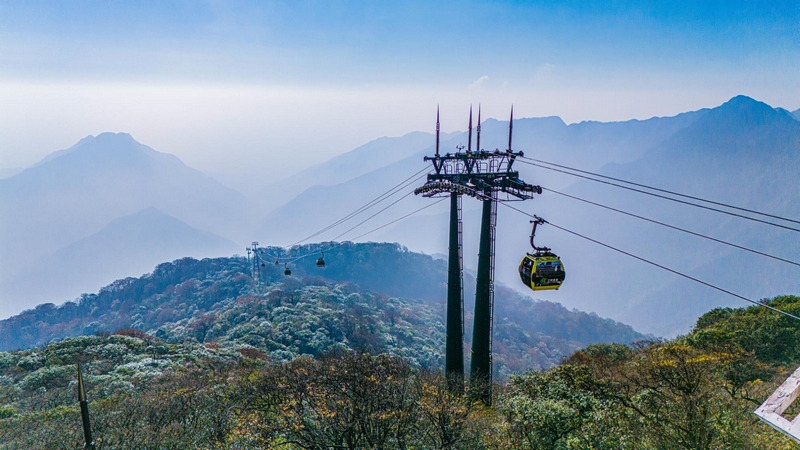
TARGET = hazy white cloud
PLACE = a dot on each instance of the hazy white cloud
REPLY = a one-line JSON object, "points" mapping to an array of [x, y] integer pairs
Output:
{"points": [[224, 128], [545, 73], [276, 129], [479, 82], [545, 69], [281, 86]]}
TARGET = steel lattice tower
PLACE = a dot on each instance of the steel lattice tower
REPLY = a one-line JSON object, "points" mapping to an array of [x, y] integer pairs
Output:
{"points": [[489, 177]]}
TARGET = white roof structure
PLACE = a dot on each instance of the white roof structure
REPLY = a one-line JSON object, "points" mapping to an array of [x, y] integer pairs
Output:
{"points": [[770, 411]]}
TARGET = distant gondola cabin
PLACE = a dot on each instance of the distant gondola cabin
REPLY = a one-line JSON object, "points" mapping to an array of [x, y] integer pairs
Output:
{"points": [[542, 271]]}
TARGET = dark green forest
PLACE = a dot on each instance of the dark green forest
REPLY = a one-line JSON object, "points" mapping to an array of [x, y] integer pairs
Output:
{"points": [[695, 392], [198, 355], [376, 298]]}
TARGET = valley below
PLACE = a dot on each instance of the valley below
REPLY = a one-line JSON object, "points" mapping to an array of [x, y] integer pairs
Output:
{"points": [[126, 261]]}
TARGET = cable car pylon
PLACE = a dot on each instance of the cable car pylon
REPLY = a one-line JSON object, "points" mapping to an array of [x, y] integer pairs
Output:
{"points": [[454, 342], [255, 270], [487, 176]]}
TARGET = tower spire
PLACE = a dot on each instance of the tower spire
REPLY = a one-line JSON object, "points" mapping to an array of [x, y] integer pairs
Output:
{"points": [[478, 137], [437, 130], [510, 127], [469, 135]]}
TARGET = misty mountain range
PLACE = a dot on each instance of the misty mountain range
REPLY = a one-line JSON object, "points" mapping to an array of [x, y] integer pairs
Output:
{"points": [[110, 207], [109, 253]]}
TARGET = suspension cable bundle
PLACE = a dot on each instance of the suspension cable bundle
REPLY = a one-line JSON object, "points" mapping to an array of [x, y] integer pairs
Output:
{"points": [[528, 267]]}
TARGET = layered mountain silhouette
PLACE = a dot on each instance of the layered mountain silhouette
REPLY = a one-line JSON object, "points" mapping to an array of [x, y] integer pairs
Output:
{"points": [[743, 152], [371, 156], [74, 193], [590, 144], [128, 246], [7, 173]]}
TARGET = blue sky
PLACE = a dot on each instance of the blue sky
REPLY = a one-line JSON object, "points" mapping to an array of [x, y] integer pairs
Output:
{"points": [[214, 82]]}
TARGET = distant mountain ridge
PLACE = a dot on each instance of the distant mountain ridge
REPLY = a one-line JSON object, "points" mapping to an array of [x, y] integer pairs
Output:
{"points": [[9, 172], [373, 155], [742, 152], [589, 143], [360, 298], [74, 193], [128, 246], [109, 176]]}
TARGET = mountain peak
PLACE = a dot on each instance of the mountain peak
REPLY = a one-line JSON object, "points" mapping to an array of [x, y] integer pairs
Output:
{"points": [[742, 99], [736, 131], [743, 112], [109, 141], [109, 136], [100, 143], [148, 220], [743, 105], [150, 212]]}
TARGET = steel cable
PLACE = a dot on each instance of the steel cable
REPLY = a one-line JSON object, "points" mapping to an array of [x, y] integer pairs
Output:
{"points": [[673, 227], [660, 266], [665, 197], [398, 187], [752, 211]]}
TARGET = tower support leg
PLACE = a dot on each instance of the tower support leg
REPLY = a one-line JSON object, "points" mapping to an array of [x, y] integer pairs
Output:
{"points": [[481, 361], [454, 353]]}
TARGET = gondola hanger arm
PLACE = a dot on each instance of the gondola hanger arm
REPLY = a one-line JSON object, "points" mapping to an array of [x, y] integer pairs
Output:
{"points": [[538, 221]]}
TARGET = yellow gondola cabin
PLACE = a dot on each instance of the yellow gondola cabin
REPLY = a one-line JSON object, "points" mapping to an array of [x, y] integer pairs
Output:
{"points": [[542, 270]]}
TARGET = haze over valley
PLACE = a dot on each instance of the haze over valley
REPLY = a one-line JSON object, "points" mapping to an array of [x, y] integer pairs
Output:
{"points": [[110, 207], [265, 224]]}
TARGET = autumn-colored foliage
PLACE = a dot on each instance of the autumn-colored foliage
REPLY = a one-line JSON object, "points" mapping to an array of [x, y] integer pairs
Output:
{"points": [[133, 332], [696, 392], [319, 364]]}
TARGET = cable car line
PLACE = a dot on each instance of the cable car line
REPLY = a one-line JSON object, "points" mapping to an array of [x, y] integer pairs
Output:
{"points": [[352, 228], [660, 266], [289, 259], [666, 198], [400, 218], [410, 180], [534, 162], [297, 258], [673, 227], [370, 231], [663, 190], [370, 217], [398, 187]]}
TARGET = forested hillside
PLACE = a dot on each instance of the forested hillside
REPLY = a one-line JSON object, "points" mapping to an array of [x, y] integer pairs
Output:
{"points": [[370, 297], [696, 392]]}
